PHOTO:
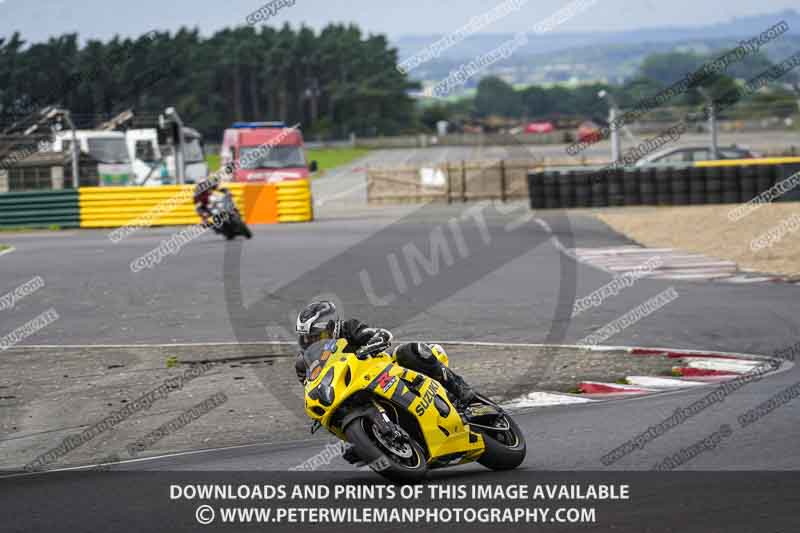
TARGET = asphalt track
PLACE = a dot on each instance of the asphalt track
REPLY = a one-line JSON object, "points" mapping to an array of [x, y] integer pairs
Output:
{"points": [[518, 287], [510, 291]]}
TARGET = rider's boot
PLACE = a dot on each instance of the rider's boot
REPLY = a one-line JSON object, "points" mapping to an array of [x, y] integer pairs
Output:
{"points": [[419, 356], [457, 387]]}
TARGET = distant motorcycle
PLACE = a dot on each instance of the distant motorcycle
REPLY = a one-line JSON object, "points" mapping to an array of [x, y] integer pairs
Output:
{"points": [[228, 219]]}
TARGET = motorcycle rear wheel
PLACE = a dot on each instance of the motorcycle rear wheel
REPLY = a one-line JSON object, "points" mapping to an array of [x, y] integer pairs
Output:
{"points": [[245, 230], [406, 464]]}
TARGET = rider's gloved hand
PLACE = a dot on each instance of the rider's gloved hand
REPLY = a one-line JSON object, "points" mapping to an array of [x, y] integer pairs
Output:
{"points": [[375, 340]]}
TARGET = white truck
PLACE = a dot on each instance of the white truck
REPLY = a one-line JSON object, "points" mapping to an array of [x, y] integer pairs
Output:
{"points": [[154, 165], [146, 158], [108, 148]]}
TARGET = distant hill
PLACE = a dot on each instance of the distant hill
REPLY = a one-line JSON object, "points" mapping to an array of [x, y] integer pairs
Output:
{"points": [[599, 55]]}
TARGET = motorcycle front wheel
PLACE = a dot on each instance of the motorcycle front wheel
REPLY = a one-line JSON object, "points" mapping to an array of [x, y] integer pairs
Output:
{"points": [[402, 462]]}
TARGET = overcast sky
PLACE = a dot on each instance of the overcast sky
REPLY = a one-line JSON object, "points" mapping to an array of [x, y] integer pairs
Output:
{"points": [[39, 19]]}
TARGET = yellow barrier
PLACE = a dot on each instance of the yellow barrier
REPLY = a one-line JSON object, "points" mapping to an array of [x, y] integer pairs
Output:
{"points": [[749, 162], [173, 205], [294, 201]]}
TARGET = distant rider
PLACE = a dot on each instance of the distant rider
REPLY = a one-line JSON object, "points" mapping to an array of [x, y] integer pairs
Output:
{"points": [[320, 320], [202, 198]]}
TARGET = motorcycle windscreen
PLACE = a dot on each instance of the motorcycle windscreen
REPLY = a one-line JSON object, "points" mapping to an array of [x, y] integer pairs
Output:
{"points": [[317, 356]]}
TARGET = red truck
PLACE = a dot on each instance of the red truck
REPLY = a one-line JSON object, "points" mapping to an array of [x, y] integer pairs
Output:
{"points": [[265, 152]]}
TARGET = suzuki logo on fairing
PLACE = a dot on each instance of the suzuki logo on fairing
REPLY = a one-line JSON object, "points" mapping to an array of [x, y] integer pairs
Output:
{"points": [[385, 381], [427, 399]]}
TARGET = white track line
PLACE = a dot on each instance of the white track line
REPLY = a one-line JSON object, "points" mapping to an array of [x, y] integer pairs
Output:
{"points": [[725, 365], [340, 194], [676, 264], [746, 279], [661, 383], [7, 250], [543, 399]]}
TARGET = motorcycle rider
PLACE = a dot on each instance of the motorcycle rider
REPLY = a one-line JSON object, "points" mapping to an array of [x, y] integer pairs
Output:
{"points": [[202, 198], [320, 320]]}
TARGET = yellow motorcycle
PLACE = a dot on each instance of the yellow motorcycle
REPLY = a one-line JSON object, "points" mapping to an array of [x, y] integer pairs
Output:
{"points": [[402, 423]]}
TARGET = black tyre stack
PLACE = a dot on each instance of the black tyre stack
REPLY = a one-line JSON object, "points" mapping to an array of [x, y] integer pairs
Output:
{"points": [[679, 183], [616, 191], [731, 190], [663, 180], [749, 182], [647, 186], [697, 186], [713, 185], [536, 189], [766, 178], [550, 192], [600, 189], [630, 187], [566, 189], [583, 188]]}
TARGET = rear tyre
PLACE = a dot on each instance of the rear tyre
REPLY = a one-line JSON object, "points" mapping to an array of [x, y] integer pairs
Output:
{"points": [[246, 231], [404, 463], [505, 448]]}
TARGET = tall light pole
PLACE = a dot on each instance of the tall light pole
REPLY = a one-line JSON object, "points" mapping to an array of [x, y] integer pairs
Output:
{"points": [[613, 113], [76, 149], [796, 87], [180, 168], [712, 122]]}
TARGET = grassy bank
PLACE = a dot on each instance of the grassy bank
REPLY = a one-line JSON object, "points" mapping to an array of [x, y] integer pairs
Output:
{"points": [[326, 158], [331, 158]]}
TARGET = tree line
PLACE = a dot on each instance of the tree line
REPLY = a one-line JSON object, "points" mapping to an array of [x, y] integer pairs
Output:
{"points": [[333, 82]]}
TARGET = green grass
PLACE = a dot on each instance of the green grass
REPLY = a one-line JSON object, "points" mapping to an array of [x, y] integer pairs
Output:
{"points": [[213, 162], [330, 158], [19, 229], [4, 247], [326, 158]]}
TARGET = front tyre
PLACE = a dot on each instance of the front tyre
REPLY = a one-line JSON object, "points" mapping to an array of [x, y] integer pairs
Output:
{"points": [[505, 445], [400, 462]]}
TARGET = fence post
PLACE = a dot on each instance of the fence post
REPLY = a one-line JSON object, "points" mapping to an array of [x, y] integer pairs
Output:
{"points": [[449, 190], [503, 181], [463, 181]]}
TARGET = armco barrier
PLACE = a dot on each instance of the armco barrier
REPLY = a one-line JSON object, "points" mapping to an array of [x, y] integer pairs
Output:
{"points": [[40, 209], [709, 182]]}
